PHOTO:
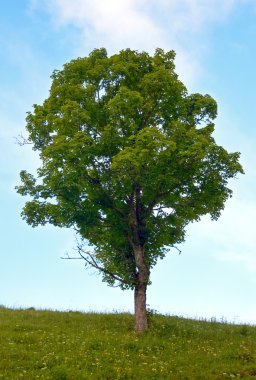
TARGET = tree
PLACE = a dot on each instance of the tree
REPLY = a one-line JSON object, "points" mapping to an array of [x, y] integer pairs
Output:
{"points": [[128, 160]]}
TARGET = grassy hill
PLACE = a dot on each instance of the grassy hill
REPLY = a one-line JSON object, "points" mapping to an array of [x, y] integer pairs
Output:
{"points": [[72, 345]]}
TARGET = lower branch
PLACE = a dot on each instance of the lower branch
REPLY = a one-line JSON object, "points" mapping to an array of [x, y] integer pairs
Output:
{"points": [[91, 261], [174, 246]]}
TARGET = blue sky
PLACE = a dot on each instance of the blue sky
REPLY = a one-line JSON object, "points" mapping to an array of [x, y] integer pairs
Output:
{"points": [[215, 42]]}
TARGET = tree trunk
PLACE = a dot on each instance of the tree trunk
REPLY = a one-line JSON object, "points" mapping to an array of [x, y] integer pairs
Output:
{"points": [[140, 291], [140, 307]]}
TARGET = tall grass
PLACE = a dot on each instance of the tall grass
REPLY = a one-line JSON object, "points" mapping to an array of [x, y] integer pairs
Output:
{"points": [[73, 346]]}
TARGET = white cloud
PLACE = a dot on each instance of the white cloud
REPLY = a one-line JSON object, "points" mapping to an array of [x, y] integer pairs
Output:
{"points": [[112, 23], [142, 25], [181, 25], [137, 20], [192, 15], [232, 238]]}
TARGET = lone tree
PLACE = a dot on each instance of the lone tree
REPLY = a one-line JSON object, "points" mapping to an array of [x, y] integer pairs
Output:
{"points": [[128, 160]]}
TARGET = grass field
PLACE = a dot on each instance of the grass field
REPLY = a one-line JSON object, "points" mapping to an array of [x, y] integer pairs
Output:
{"points": [[72, 345]]}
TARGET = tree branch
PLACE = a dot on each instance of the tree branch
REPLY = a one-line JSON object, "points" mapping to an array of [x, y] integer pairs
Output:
{"points": [[21, 140], [93, 263], [174, 246]]}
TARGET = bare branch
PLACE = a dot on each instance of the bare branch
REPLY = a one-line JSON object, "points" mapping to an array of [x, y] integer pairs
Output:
{"points": [[21, 140], [174, 246], [90, 260], [71, 258]]}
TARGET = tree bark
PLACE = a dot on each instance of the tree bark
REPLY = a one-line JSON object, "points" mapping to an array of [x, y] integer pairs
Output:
{"points": [[141, 321], [140, 291]]}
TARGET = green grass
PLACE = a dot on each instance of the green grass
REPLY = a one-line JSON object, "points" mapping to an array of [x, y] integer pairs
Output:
{"points": [[72, 345]]}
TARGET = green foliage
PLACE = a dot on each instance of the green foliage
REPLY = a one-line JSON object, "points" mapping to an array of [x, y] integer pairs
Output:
{"points": [[71, 345], [128, 158]]}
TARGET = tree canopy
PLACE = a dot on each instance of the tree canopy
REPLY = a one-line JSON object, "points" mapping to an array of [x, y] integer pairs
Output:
{"points": [[128, 160]]}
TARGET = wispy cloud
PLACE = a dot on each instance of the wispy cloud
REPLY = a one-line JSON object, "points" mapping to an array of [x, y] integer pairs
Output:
{"points": [[193, 15], [138, 21], [114, 24], [232, 238], [142, 25]]}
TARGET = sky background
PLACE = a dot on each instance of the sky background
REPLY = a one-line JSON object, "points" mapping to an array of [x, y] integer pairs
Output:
{"points": [[215, 42]]}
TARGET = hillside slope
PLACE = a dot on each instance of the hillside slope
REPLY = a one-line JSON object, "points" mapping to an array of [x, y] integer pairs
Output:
{"points": [[73, 346]]}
